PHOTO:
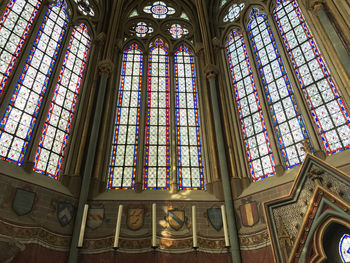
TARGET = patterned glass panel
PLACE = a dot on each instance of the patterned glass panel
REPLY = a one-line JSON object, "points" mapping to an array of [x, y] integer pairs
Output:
{"points": [[15, 24], [188, 139], [288, 122], [159, 10], [234, 12], [324, 100], [122, 170], [21, 114], [256, 139], [54, 137], [157, 144]]}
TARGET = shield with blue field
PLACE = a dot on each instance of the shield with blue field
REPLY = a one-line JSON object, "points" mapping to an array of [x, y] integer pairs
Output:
{"points": [[65, 213], [176, 218]]}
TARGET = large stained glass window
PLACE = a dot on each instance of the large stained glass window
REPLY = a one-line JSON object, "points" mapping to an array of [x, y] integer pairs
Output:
{"points": [[15, 24], [54, 137], [157, 142], [122, 169], [256, 140], [188, 140], [324, 100], [21, 114], [288, 122]]}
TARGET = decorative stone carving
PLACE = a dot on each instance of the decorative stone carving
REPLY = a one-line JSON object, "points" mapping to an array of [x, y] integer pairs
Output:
{"points": [[315, 5], [100, 39], [211, 71], [105, 67]]}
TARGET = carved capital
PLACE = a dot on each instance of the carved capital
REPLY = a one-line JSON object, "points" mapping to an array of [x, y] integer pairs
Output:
{"points": [[211, 71], [105, 67], [198, 48], [216, 43], [316, 5]]}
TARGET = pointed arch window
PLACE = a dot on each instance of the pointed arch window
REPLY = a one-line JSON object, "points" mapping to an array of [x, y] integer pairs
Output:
{"points": [[122, 169], [188, 139], [15, 24], [157, 142], [21, 114], [327, 107], [54, 137], [256, 140], [287, 120]]}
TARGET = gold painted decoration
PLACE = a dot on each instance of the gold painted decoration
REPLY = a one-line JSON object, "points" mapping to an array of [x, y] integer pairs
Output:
{"points": [[249, 214], [135, 218]]}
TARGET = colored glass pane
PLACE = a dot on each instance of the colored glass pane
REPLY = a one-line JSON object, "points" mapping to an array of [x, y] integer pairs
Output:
{"points": [[142, 29], [159, 10], [324, 100], [256, 140], [55, 134], [85, 8], [344, 248], [15, 24], [177, 31], [122, 169], [223, 2], [288, 122], [188, 140], [157, 142], [21, 114], [233, 12], [184, 16]]}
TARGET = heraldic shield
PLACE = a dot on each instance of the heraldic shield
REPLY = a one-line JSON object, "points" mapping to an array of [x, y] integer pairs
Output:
{"points": [[249, 214], [215, 217], [65, 213], [23, 202], [176, 218], [95, 217], [135, 218]]}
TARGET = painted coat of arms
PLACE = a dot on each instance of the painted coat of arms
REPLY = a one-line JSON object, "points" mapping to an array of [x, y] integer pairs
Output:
{"points": [[135, 218], [215, 217], [249, 214], [95, 217], [176, 218], [23, 201], [65, 213]]}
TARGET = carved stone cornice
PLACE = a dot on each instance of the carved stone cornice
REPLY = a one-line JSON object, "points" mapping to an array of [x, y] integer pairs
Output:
{"points": [[105, 67], [211, 71]]}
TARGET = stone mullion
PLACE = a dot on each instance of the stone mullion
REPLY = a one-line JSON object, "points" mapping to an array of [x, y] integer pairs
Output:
{"points": [[299, 98], [239, 163], [142, 129], [28, 162], [209, 160], [333, 61], [279, 164], [173, 136]]}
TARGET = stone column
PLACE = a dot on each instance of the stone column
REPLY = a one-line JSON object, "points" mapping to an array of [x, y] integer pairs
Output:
{"points": [[105, 68], [211, 74]]}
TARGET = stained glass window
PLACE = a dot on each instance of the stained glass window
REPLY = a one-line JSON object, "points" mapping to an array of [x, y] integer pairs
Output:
{"points": [[177, 31], [255, 137], [142, 29], [223, 2], [184, 16], [157, 143], [288, 122], [188, 140], [85, 8], [159, 10], [324, 100], [21, 114], [233, 12], [54, 137], [122, 170], [344, 248], [15, 24]]}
